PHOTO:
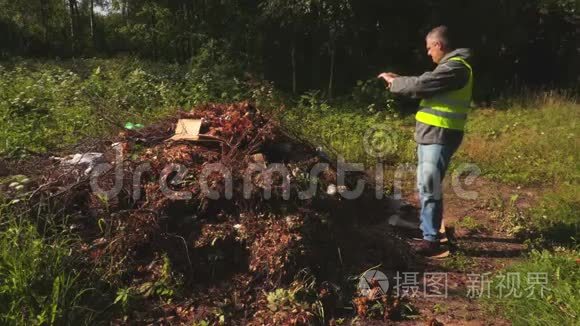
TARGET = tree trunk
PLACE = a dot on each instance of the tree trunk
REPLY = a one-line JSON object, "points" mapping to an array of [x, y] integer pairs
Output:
{"points": [[76, 23], [153, 36], [71, 8], [76, 13], [332, 51], [125, 11], [44, 18], [293, 58], [92, 20]]}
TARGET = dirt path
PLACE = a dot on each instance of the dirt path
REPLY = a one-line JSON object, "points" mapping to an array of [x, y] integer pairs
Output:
{"points": [[482, 245]]}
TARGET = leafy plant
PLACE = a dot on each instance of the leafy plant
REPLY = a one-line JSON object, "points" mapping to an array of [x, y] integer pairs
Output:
{"points": [[124, 297], [165, 285]]}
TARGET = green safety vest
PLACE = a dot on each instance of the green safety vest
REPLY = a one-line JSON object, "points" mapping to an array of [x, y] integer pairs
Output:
{"points": [[448, 110]]}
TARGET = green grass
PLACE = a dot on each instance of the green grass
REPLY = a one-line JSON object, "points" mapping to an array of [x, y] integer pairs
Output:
{"points": [[531, 143], [470, 224], [39, 284], [555, 217], [560, 304]]}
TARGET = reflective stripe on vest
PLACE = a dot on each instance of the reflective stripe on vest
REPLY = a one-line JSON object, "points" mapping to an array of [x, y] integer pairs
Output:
{"points": [[450, 115], [448, 110]]}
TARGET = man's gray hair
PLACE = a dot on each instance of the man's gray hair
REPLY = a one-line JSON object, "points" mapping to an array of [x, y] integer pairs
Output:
{"points": [[441, 34]]}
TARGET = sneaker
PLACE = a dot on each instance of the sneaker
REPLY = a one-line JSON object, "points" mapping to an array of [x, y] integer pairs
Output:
{"points": [[441, 236], [432, 249], [417, 234]]}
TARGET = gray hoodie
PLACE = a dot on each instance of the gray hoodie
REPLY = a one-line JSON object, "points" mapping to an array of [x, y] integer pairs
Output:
{"points": [[447, 76]]}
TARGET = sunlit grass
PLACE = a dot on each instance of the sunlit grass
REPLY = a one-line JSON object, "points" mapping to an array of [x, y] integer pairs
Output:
{"points": [[522, 299], [39, 282], [531, 143]]}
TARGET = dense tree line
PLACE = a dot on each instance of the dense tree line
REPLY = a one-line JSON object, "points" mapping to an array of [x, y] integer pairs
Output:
{"points": [[308, 44]]}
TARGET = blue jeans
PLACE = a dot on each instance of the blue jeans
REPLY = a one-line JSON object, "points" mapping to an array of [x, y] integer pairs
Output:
{"points": [[433, 160]]}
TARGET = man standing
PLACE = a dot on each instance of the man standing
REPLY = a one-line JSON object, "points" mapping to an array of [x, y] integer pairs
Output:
{"points": [[446, 98]]}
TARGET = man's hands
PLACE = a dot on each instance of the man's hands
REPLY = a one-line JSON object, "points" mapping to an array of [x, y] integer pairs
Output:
{"points": [[388, 77]]}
